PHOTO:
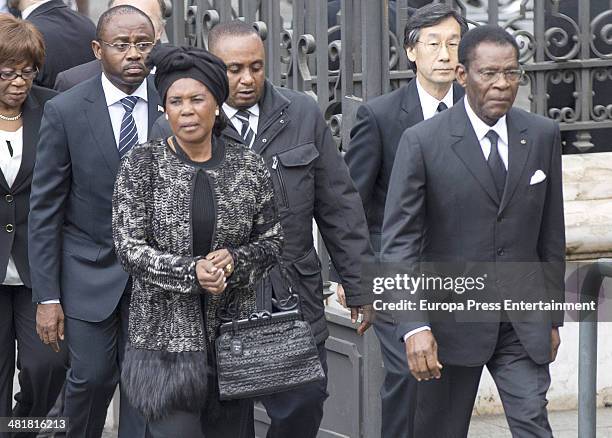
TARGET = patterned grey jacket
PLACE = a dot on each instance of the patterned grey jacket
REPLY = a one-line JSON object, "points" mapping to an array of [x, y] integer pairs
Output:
{"points": [[165, 366]]}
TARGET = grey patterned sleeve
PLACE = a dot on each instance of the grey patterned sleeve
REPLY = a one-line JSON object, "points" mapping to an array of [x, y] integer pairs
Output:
{"points": [[253, 260], [132, 226]]}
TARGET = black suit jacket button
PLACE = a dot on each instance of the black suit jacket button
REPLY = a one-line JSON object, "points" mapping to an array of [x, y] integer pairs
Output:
{"points": [[499, 218], [9, 198], [500, 251], [9, 228]]}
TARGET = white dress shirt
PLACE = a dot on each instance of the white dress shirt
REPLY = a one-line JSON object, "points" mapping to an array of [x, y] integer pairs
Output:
{"points": [[3, 7], [429, 104], [27, 11], [481, 129], [10, 167], [230, 112], [116, 111]]}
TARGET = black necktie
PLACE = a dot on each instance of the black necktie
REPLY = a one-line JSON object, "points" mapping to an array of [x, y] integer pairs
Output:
{"points": [[128, 136], [246, 132], [441, 107], [496, 165]]}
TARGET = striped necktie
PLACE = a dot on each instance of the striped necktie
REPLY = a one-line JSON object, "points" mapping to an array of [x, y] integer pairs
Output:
{"points": [[246, 132], [128, 136]]}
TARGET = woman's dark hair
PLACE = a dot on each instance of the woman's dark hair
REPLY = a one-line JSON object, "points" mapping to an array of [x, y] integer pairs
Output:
{"points": [[20, 41], [481, 34], [428, 16]]}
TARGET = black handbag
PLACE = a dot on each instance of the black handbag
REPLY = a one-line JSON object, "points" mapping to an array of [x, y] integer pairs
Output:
{"points": [[266, 353]]}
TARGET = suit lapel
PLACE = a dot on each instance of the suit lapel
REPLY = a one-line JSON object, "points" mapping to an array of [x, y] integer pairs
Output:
{"points": [[519, 148], [3, 182], [230, 131], [467, 148], [154, 104], [96, 112], [32, 113], [412, 113]]}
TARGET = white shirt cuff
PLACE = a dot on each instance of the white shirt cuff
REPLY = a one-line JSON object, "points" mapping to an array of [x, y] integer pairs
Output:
{"points": [[50, 302], [415, 331]]}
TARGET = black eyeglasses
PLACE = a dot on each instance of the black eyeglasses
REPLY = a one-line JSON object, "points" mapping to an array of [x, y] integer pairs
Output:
{"points": [[142, 47], [26, 75]]}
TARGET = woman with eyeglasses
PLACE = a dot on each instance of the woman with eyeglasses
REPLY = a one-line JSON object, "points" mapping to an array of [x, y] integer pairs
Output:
{"points": [[41, 370]]}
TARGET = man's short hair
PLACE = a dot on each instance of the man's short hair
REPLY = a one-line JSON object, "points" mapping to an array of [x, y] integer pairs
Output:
{"points": [[484, 34], [109, 14], [427, 16], [229, 29]]}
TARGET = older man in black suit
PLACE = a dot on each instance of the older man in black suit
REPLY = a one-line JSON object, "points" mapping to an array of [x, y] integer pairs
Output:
{"points": [[84, 133], [480, 185], [431, 39], [67, 36]]}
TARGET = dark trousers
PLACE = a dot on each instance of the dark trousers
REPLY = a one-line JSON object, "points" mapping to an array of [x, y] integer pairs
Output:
{"points": [[398, 391], [96, 352], [297, 413], [444, 406], [236, 421], [41, 371]]}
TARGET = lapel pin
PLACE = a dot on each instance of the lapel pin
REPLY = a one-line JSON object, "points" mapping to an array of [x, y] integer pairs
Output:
{"points": [[523, 141], [160, 108]]}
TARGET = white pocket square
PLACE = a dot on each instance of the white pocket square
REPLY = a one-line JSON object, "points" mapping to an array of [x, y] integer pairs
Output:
{"points": [[160, 108], [537, 177]]}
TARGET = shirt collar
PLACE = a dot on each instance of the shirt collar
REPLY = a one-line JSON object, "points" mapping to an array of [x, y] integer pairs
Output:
{"points": [[27, 11], [430, 102], [114, 94], [230, 111], [481, 128]]}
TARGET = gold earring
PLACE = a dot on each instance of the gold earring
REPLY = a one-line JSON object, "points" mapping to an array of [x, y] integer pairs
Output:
{"points": [[217, 111]]}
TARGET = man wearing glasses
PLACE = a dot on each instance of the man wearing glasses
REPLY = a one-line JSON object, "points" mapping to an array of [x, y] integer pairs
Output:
{"points": [[84, 133], [431, 39], [479, 186]]}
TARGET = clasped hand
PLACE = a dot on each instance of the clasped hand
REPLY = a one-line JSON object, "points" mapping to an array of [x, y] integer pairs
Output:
{"points": [[212, 271]]}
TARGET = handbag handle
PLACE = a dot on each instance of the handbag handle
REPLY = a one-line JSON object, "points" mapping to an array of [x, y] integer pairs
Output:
{"points": [[260, 315], [231, 306]]}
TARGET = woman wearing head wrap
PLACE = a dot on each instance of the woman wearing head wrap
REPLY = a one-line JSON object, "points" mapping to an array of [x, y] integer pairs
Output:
{"points": [[195, 224]]}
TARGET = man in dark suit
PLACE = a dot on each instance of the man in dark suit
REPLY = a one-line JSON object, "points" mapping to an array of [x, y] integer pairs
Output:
{"points": [[74, 269], [431, 39], [480, 185], [156, 11], [67, 36]]}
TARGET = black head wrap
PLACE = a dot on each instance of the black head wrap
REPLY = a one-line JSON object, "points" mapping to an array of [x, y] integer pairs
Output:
{"points": [[173, 63]]}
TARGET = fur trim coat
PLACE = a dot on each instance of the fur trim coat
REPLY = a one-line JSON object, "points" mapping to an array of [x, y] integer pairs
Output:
{"points": [[165, 367]]}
